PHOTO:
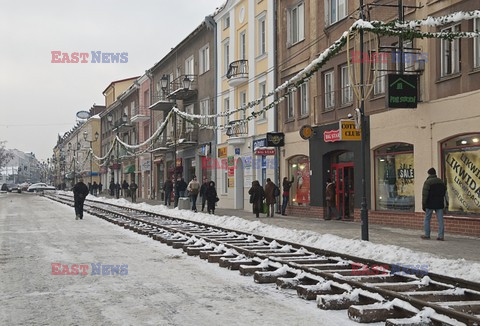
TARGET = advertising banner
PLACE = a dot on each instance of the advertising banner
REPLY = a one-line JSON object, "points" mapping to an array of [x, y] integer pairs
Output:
{"points": [[405, 174], [462, 172]]}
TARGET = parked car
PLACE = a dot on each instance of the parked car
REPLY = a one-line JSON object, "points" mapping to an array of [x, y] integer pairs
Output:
{"points": [[24, 186], [4, 188], [14, 188], [36, 187]]}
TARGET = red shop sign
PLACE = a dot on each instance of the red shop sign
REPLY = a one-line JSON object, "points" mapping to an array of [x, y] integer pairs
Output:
{"points": [[265, 151], [331, 136]]}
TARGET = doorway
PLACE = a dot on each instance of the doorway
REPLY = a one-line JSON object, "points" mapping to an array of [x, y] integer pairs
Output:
{"points": [[239, 184], [343, 175]]}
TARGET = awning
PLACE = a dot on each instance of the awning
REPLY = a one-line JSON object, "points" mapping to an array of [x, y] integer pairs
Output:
{"points": [[129, 169]]}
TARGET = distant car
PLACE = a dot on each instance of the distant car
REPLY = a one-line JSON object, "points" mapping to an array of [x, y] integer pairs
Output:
{"points": [[4, 188], [36, 187], [14, 188]]}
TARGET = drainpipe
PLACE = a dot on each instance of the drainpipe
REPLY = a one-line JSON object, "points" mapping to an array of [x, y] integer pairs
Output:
{"points": [[150, 77], [211, 21]]}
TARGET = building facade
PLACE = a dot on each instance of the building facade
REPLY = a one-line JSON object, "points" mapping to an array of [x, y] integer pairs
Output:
{"points": [[245, 47]]}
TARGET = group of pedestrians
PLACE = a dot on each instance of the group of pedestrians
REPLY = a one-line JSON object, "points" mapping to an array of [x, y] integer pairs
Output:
{"points": [[128, 190], [258, 194], [94, 189]]}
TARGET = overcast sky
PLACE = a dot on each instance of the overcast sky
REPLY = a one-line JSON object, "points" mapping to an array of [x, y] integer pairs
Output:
{"points": [[39, 99]]}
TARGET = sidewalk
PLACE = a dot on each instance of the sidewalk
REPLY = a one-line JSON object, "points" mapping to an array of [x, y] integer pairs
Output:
{"points": [[454, 246]]}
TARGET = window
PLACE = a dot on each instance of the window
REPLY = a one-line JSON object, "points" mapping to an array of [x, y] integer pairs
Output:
{"points": [[226, 55], [226, 21], [262, 35], [304, 100], [461, 173], [204, 59], [188, 125], [133, 111], [380, 81], [243, 103], [337, 10], [226, 109], [205, 110], [409, 57], [476, 44], [329, 91], [225, 179], [347, 92], [296, 24], [394, 177], [242, 45], [291, 105], [450, 53], [189, 67], [299, 170], [262, 90]]}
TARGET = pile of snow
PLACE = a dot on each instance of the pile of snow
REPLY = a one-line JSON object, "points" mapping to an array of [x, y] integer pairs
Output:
{"points": [[462, 268]]}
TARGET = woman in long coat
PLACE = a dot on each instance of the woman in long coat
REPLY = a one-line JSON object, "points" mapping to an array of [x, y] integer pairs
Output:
{"points": [[211, 194], [257, 194]]}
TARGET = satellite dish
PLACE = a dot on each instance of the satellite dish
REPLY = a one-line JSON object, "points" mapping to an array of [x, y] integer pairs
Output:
{"points": [[83, 115]]}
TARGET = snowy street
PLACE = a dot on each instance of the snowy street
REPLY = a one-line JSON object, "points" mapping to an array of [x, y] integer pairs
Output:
{"points": [[164, 286]]}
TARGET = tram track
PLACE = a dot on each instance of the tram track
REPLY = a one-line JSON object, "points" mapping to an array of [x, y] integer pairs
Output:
{"points": [[369, 290]]}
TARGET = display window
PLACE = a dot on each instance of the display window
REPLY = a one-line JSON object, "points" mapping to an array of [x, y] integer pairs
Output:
{"points": [[395, 177], [461, 172], [299, 170]]}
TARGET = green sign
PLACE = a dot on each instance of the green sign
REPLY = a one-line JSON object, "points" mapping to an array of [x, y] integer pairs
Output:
{"points": [[231, 160], [402, 91]]}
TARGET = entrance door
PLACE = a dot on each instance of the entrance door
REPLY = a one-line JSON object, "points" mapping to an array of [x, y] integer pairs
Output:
{"points": [[239, 184], [342, 174]]}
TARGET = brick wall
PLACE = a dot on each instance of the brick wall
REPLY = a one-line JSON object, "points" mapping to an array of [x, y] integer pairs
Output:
{"points": [[453, 224]]}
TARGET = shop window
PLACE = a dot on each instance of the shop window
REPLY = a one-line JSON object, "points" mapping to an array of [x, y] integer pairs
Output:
{"points": [[461, 172], [299, 170], [394, 177]]}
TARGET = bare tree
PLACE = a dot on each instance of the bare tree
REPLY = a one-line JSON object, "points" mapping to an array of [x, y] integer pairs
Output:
{"points": [[5, 155]]}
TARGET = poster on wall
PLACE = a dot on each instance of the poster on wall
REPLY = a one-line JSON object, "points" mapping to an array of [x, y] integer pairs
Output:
{"points": [[404, 172], [302, 179], [462, 172]]}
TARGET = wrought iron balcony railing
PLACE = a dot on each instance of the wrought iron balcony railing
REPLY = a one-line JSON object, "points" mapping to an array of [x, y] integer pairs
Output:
{"points": [[238, 69], [237, 128]]}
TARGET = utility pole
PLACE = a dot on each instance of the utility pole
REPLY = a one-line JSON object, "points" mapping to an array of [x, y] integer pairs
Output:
{"points": [[363, 209], [400, 38]]}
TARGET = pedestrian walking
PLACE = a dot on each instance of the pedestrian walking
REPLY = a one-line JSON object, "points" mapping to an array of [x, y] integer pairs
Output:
{"points": [[193, 189], [212, 198], [90, 189], [180, 188], [95, 188], [270, 197], [117, 190], [112, 188], [257, 194], [330, 198], [133, 191], [433, 199], [286, 185], [125, 188], [100, 187], [203, 191], [168, 188], [80, 192]]}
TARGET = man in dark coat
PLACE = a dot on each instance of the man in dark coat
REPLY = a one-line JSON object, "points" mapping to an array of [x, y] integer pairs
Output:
{"points": [[330, 196], [133, 191], [203, 191], [117, 190], [270, 196], [95, 188], [168, 188], [257, 194], [211, 194], [125, 188], [100, 187], [112, 188], [80, 192], [433, 199], [286, 185], [180, 188]]}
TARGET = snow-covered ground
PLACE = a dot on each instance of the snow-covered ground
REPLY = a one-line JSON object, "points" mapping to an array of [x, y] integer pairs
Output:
{"points": [[462, 268], [164, 286]]}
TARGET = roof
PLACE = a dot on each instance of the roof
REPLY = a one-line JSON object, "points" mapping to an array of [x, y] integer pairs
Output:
{"points": [[118, 81]]}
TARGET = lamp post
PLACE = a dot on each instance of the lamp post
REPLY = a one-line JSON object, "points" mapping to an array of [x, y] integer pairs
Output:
{"points": [[85, 137], [116, 129], [74, 160]]}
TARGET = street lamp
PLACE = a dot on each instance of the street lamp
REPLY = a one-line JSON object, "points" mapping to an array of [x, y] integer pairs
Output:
{"points": [[85, 136], [117, 128], [164, 83], [187, 83], [74, 160]]}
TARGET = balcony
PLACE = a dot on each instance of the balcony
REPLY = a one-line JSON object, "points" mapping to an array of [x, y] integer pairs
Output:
{"points": [[186, 136], [237, 73], [183, 87], [237, 131], [160, 101], [140, 114]]}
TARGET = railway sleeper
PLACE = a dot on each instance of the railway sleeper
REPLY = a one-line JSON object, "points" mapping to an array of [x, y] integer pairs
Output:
{"points": [[215, 257], [300, 279], [347, 299], [234, 263], [263, 266], [272, 276], [379, 312]]}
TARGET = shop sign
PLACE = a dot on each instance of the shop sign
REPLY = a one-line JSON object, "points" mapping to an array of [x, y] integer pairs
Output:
{"points": [[231, 182], [222, 152], [306, 132], [462, 171], [116, 166], [204, 150], [259, 143], [330, 136], [237, 151], [231, 160], [275, 139], [146, 165], [402, 91], [231, 171], [265, 151], [348, 130], [178, 163]]}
